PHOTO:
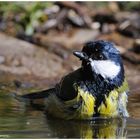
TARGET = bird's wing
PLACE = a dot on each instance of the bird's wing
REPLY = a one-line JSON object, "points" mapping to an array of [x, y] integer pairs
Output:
{"points": [[65, 89]]}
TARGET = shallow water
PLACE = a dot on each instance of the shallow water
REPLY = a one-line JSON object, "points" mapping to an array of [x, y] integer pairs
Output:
{"points": [[16, 121]]}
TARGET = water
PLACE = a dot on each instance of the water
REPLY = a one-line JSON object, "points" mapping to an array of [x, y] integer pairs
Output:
{"points": [[16, 121]]}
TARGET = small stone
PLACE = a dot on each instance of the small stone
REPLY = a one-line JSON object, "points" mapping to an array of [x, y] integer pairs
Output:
{"points": [[75, 18], [28, 123], [16, 62], [136, 46], [96, 25], [2, 59]]}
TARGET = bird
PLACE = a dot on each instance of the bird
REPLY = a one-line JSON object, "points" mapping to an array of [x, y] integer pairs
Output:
{"points": [[97, 89]]}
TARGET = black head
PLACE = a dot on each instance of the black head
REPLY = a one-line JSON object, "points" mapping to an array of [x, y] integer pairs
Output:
{"points": [[100, 57], [98, 50]]}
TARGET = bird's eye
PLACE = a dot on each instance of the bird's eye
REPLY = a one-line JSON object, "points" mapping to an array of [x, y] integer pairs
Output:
{"points": [[101, 57]]}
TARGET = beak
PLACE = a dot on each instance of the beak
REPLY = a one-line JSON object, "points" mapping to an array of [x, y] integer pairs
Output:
{"points": [[80, 55]]}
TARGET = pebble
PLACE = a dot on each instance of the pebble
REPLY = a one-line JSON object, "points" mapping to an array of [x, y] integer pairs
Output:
{"points": [[2, 59], [136, 46]]}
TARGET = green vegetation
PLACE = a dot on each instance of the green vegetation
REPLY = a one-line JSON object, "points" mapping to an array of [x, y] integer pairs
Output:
{"points": [[130, 6], [27, 15]]}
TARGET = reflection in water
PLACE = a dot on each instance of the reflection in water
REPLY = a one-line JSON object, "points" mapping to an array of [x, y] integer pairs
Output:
{"points": [[99, 128]]}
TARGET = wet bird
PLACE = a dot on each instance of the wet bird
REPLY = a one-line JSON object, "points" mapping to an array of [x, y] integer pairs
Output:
{"points": [[97, 89]]}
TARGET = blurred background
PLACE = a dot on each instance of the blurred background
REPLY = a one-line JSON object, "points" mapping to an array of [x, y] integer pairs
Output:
{"points": [[37, 40], [52, 30]]}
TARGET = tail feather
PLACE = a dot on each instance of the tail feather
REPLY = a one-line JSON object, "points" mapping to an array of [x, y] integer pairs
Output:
{"points": [[35, 99], [40, 94]]}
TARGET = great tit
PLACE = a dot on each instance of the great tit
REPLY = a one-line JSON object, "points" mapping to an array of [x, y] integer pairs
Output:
{"points": [[97, 89]]}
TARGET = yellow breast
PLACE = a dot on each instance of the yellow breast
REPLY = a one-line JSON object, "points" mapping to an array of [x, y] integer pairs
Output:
{"points": [[110, 108], [86, 110]]}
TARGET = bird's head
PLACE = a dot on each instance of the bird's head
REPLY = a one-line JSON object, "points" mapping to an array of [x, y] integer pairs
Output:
{"points": [[101, 58]]}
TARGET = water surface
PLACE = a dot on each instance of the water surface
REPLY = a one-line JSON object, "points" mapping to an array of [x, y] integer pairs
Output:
{"points": [[16, 121]]}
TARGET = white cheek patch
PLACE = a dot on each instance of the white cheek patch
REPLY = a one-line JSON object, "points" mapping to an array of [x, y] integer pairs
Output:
{"points": [[106, 68]]}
